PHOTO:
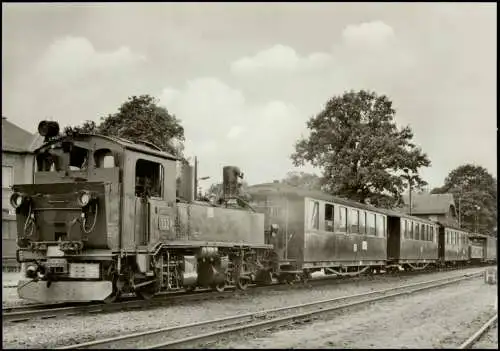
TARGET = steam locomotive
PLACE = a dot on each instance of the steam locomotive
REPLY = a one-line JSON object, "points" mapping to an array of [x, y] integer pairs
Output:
{"points": [[105, 216]]}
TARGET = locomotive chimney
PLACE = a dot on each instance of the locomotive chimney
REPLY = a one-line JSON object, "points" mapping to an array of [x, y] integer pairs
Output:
{"points": [[230, 183]]}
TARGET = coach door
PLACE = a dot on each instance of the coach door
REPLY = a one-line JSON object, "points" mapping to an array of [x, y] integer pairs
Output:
{"points": [[395, 232]]}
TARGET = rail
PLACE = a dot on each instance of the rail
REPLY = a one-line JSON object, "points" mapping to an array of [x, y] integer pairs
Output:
{"points": [[477, 335], [201, 333]]}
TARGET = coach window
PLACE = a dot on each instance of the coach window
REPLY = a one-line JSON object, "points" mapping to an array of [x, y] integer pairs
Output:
{"points": [[405, 229], [417, 231], [432, 233], [314, 214], [410, 230], [380, 226], [370, 223], [329, 217], [354, 220], [342, 219], [427, 233], [148, 178], [362, 222]]}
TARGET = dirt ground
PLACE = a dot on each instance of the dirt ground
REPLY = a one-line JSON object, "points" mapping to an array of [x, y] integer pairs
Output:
{"points": [[441, 318], [10, 279]]}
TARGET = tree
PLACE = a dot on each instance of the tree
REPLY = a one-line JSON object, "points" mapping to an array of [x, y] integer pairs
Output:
{"points": [[139, 119], [474, 190], [303, 180], [355, 142]]}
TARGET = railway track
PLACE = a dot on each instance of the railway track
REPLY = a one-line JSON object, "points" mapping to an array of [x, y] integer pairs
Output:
{"points": [[48, 311], [203, 333], [479, 333]]}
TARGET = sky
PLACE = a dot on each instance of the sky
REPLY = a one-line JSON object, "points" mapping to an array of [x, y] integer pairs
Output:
{"points": [[244, 78]]}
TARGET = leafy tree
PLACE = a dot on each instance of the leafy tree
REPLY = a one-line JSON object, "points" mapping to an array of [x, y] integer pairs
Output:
{"points": [[303, 180], [473, 187], [356, 143], [139, 119]]}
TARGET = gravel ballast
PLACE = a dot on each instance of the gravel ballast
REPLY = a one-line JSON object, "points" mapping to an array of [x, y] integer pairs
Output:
{"points": [[440, 318], [76, 329]]}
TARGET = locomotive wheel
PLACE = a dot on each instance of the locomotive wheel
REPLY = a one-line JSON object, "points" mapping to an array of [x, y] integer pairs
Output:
{"points": [[242, 284], [219, 287], [112, 297], [115, 294], [147, 292]]}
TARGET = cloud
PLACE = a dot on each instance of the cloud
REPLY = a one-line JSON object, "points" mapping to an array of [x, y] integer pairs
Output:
{"points": [[222, 128], [368, 34], [234, 132], [69, 60], [279, 57]]}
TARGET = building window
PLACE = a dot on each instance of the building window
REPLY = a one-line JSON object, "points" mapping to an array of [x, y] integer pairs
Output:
{"points": [[329, 217], [7, 177]]}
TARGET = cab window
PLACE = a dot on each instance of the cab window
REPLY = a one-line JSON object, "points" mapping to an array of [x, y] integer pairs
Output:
{"points": [[104, 158], [148, 178]]}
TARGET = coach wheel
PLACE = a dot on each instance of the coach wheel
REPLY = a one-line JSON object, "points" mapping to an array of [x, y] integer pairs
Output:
{"points": [[190, 288], [242, 283]]}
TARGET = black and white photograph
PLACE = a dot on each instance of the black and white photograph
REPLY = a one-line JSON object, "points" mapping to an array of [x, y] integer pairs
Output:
{"points": [[249, 175]]}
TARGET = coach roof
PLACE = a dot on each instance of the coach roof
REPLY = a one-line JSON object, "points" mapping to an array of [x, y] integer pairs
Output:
{"points": [[291, 191]]}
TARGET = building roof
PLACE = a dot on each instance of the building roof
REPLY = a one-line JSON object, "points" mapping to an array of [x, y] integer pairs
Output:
{"points": [[429, 204], [16, 139]]}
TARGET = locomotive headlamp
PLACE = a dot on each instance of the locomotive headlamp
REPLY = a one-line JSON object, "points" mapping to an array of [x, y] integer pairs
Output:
{"points": [[274, 228], [84, 198], [16, 200]]}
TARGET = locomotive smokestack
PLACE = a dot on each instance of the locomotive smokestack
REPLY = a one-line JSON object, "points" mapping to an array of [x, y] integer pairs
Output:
{"points": [[230, 184]]}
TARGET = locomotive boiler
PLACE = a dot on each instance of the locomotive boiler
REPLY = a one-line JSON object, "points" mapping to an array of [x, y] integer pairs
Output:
{"points": [[104, 216]]}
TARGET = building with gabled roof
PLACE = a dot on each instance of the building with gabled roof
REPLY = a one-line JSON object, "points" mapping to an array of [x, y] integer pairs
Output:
{"points": [[436, 207], [17, 168]]}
